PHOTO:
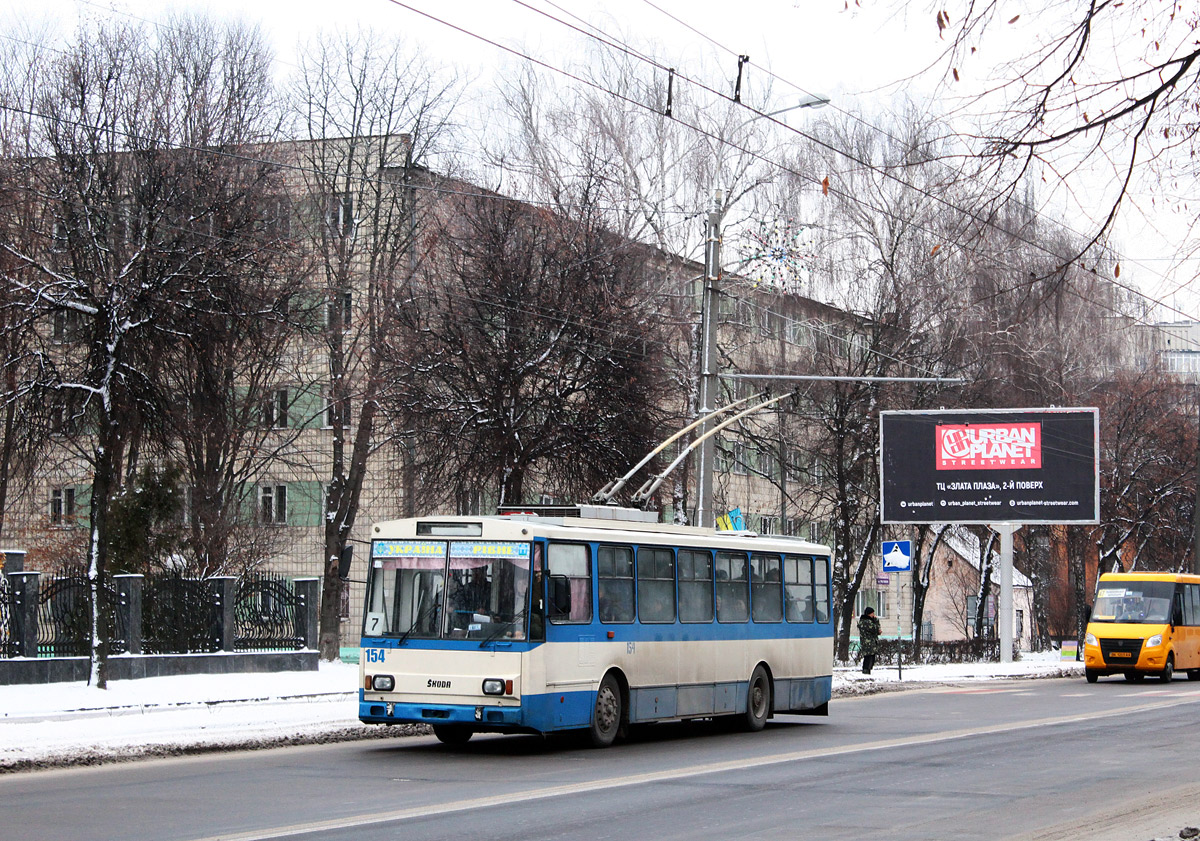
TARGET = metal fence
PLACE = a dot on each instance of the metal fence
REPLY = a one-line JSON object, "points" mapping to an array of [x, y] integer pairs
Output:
{"points": [[266, 608], [179, 615], [7, 644], [64, 618], [160, 614]]}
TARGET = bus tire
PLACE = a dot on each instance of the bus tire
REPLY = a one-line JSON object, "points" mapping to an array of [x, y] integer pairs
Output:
{"points": [[1168, 672], [1092, 675], [758, 700], [607, 714], [454, 735]]}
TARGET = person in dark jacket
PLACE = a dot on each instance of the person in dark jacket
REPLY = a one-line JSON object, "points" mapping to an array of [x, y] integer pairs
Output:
{"points": [[868, 638]]}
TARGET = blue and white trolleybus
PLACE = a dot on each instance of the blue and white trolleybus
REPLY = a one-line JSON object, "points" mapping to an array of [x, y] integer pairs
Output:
{"points": [[593, 619]]}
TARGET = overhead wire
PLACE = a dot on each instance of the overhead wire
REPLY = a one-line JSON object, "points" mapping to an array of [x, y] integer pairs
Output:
{"points": [[559, 206], [830, 147]]}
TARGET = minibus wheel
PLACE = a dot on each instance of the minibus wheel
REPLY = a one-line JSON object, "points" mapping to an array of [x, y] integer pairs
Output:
{"points": [[1091, 674], [1168, 671]]}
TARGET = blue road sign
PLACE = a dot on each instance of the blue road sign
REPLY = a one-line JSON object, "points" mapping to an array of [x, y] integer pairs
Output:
{"points": [[897, 555]]}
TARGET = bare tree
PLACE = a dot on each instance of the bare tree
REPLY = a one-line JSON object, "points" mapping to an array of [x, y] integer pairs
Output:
{"points": [[882, 237], [370, 112], [1148, 474], [134, 130], [1107, 85], [534, 351]]}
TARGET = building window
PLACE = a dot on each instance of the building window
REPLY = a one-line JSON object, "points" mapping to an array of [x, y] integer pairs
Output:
{"points": [[741, 457], [275, 410], [273, 504], [989, 618], [62, 506], [59, 241], [877, 599], [329, 412], [339, 214]]}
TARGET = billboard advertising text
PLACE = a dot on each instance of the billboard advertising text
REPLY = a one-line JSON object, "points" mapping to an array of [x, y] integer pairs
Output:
{"points": [[990, 466]]}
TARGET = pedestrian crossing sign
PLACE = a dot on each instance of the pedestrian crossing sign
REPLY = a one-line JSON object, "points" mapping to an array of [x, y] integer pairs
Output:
{"points": [[897, 555]]}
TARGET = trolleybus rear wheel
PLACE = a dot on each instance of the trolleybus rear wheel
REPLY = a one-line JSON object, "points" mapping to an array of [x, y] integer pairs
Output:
{"points": [[606, 717], [453, 734], [758, 700]]}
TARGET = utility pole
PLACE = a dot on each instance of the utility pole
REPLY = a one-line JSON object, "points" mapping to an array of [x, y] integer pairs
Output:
{"points": [[706, 463]]}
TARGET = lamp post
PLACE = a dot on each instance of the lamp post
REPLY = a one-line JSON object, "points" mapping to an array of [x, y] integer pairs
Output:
{"points": [[705, 514]]}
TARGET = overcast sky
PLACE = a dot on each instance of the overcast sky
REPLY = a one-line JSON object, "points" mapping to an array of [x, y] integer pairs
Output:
{"points": [[860, 54]]}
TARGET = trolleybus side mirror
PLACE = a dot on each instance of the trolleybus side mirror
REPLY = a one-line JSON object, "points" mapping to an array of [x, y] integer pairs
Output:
{"points": [[347, 557], [560, 597]]}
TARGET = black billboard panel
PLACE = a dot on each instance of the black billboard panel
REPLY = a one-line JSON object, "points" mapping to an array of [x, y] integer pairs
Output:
{"points": [[990, 466]]}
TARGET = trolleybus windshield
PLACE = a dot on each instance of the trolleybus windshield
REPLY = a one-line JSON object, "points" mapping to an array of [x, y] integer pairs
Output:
{"points": [[457, 589]]}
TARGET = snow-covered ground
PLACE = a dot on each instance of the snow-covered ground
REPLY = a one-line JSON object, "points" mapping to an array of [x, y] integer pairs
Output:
{"points": [[71, 723]]}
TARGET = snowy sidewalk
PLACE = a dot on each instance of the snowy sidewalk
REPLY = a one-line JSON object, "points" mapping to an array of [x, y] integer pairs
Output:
{"points": [[71, 723]]}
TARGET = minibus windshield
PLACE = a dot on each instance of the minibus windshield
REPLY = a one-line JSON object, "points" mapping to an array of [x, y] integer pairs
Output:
{"points": [[1134, 602]]}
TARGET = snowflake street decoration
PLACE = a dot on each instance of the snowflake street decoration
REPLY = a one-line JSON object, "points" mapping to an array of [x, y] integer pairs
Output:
{"points": [[779, 254]]}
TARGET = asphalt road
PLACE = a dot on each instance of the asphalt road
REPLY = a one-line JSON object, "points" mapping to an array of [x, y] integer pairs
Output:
{"points": [[1045, 759]]}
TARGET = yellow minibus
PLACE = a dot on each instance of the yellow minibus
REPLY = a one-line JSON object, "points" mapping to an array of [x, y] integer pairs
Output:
{"points": [[1144, 623]]}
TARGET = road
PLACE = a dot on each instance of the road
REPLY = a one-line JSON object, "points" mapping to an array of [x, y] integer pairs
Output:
{"points": [[1045, 759]]}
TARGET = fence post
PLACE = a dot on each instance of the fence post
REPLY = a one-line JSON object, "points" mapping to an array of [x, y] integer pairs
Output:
{"points": [[308, 601], [25, 588], [129, 603], [225, 603]]}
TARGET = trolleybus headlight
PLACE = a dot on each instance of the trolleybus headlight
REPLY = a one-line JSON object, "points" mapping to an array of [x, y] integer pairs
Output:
{"points": [[493, 686], [383, 683], [1090, 639], [1154, 641]]}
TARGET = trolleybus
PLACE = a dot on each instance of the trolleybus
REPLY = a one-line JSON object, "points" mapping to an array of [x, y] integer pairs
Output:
{"points": [[591, 620]]}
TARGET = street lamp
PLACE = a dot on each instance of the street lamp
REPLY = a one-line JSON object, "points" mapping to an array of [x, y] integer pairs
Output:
{"points": [[705, 515]]}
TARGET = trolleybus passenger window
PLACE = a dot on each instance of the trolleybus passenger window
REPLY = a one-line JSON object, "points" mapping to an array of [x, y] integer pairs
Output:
{"points": [[614, 566], [821, 582], [733, 581], [766, 588], [570, 591], [656, 585], [798, 589], [695, 586]]}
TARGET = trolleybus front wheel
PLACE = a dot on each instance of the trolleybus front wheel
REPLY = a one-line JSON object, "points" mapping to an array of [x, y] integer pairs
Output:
{"points": [[454, 735], [606, 717], [758, 700]]}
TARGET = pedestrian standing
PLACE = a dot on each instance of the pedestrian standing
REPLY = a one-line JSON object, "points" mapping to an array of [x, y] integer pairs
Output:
{"points": [[868, 638]]}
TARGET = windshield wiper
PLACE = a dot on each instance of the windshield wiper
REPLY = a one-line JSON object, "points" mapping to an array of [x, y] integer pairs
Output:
{"points": [[494, 635], [421, 617]]}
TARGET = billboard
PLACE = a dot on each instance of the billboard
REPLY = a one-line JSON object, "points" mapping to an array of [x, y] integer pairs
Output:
{"points": [[990, 466]]}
